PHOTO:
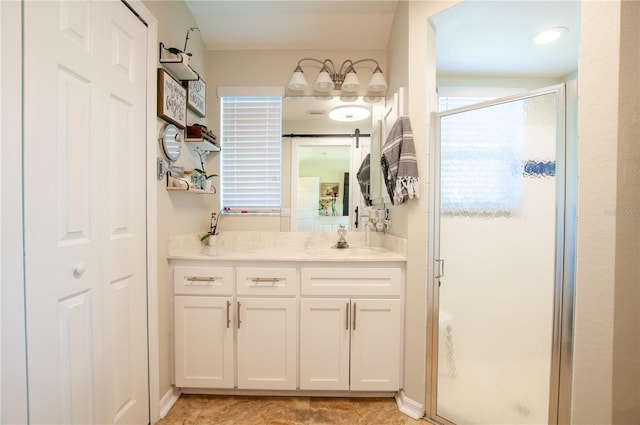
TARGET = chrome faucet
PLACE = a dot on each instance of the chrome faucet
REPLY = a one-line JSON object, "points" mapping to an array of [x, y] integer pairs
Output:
{"points": [[342, 243], [367, 235]]}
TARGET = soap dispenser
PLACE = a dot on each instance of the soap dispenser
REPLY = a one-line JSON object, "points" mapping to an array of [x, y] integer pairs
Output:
{"points": [[342, 243]]}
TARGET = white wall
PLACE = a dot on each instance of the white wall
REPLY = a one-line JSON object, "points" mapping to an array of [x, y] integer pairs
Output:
{"points": [[606, 352], [411, 59], [13, 405], [179, 213], [626, 337]]}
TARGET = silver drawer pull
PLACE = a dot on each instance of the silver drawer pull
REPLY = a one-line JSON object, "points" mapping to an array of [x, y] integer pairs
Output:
{"points": [[265, 281], [201, 280]]}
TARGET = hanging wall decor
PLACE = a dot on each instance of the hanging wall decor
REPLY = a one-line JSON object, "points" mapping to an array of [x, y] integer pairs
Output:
{"points": [[197, 96], [172, 99]]}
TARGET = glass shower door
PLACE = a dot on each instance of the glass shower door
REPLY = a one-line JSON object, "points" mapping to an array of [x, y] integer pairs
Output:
{"points": [[499, 204]]}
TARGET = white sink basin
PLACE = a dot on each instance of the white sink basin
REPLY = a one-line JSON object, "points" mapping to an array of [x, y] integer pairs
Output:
{"points": [[358, 251]]}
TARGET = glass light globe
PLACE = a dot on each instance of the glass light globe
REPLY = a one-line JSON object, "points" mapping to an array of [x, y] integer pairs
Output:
{"points": [[324, 82], [351, 81]]}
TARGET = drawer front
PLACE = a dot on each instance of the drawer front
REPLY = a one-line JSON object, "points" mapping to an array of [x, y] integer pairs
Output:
{"points": [[267, 281], [351, 281], [203, 280]]}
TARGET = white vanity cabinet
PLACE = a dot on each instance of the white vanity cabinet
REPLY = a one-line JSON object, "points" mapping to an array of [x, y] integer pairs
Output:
{"points": [[287, 325], [350, 328], [267, 343], [203, 318]]}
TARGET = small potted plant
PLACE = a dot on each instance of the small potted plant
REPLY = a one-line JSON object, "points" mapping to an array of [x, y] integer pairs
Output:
{"points": [[209, 237], [200, 178]]}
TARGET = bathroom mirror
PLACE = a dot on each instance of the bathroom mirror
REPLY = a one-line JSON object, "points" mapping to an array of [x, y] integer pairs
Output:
{"points": [[323, 152], [171, 143]]}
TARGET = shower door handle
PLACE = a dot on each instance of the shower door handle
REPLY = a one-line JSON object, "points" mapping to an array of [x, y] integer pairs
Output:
{"points": [[440, 268]]}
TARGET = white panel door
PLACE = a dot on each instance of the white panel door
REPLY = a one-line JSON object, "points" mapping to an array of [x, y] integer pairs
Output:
{"points": [[204, 355], [324, 344], [375, 345], [85, 212], [308, 203], [123, 224], [267, 343]]}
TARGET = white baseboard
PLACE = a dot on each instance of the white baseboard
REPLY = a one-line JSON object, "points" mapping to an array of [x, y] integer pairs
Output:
{"points": [[409, 407], [168, 400]]}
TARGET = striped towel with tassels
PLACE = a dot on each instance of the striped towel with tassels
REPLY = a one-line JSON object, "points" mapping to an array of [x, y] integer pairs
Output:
{"points": [[364, 179], [399, 165]]}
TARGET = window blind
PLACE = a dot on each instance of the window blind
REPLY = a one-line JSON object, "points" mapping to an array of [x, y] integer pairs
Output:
{"points": [[251, 135]]}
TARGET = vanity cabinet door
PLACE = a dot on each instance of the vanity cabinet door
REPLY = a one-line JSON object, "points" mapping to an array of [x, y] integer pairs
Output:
{"points": [[350, 344], [204, 356], [267, 343], [324, 344], [375, 344]]}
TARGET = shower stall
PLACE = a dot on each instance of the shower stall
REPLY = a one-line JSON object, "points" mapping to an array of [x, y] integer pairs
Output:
{"points": [[501, 292]]}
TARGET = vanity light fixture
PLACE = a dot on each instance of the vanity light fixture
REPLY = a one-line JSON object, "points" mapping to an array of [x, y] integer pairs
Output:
{"points": [[333, 78], [349, 113], [549, 35]]}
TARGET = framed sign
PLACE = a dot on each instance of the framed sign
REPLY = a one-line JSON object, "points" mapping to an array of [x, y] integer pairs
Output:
{"points": [[172, 99], [197, 96]]}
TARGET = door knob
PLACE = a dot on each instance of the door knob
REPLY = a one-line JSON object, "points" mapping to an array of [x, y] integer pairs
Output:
{"points": [[78, 269]]}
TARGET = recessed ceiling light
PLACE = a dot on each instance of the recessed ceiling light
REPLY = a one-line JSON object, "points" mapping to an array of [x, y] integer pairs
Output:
{"points": [[349, 113], [549, 35]]}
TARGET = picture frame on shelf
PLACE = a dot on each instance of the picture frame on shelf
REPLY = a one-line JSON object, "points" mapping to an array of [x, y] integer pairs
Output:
{"points": [[197, 96], [172, 99]]}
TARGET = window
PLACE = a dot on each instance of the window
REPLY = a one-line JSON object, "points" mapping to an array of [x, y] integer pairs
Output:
{"points": [[446, 103], [251, 134], [481, 151]]}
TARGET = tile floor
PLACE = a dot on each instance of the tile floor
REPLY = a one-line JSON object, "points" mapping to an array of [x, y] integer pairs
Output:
{"points": [[240, 410]]}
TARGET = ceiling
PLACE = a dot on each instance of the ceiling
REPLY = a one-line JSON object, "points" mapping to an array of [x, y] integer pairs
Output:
{"points": [[299, 24], [496, 38], [475, 36]]}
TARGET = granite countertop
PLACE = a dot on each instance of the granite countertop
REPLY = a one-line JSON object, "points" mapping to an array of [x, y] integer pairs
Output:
{"points": [[289, 246]]}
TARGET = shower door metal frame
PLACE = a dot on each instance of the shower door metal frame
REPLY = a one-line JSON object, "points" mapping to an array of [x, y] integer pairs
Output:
{"points": [[566, 193]]}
